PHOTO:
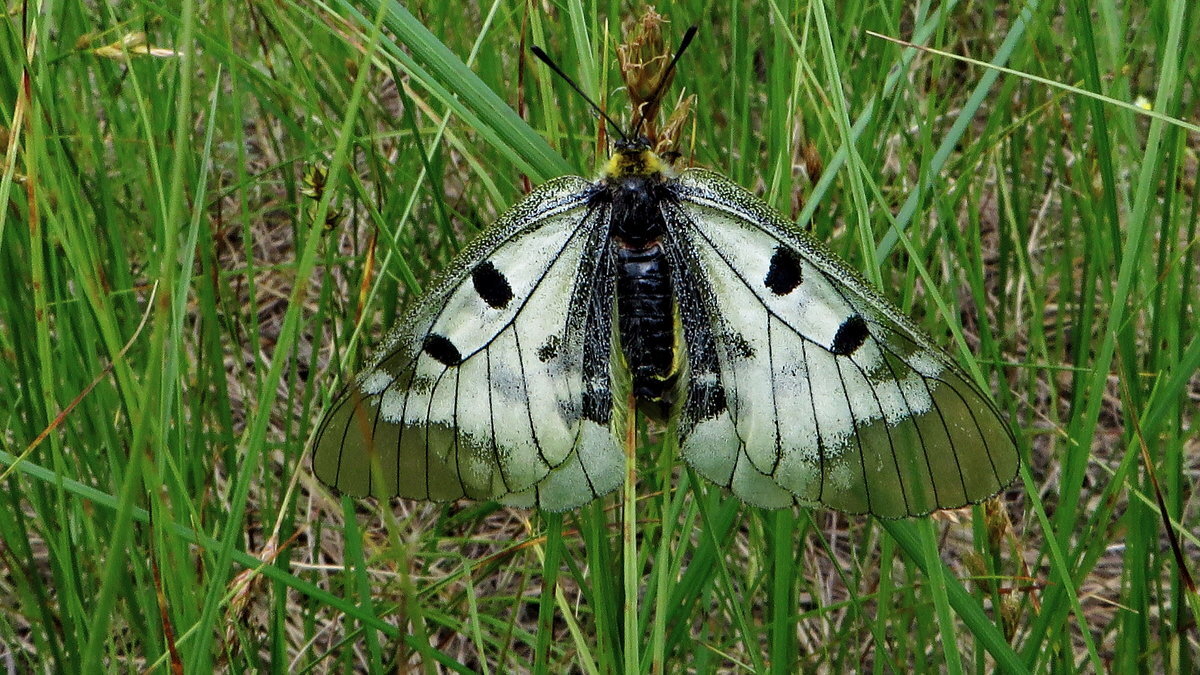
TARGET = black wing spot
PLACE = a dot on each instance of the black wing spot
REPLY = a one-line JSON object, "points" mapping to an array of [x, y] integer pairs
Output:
{"points": [[850, 336], [548, 350], [442, 350], [784, 274], [491, 285], [737, 347]]}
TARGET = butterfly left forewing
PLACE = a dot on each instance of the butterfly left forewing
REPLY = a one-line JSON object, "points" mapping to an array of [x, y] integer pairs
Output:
{"points": [[482, 391], [830, 395]]}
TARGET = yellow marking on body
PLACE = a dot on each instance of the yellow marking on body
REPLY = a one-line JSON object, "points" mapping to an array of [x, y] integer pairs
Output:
{"points": [[634, 164]]}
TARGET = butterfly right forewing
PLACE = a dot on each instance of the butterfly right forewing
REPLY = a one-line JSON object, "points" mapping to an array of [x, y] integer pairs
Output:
{"points": [[830, 395]]}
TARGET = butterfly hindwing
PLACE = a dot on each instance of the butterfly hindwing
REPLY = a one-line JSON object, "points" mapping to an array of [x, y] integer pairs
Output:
{"points": [[827, 394], [497, 385]]}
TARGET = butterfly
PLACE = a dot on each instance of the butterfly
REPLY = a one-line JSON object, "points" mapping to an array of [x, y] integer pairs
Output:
{"points": [[783, 376]]}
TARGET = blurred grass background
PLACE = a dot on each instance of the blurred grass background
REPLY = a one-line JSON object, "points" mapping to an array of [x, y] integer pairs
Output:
{"points": [[212, 211]]}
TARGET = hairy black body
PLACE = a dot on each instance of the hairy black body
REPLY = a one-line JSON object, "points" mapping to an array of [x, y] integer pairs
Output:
{"points": [[644, 296]]}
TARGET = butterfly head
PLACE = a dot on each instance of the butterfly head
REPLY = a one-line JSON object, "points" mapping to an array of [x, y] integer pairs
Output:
{"points": [[645, 152], [633, 158]]}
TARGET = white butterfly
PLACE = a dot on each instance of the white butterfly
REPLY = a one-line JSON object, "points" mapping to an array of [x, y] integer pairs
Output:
{"points": [[786, 378]]}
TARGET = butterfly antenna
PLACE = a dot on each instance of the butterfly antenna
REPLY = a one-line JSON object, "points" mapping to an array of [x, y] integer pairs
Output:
{"points": [[666, 76], [545, 58]]}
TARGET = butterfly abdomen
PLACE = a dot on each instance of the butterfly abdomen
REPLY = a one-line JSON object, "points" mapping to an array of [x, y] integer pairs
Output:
{"points": [[646, 320], [645, 301]]}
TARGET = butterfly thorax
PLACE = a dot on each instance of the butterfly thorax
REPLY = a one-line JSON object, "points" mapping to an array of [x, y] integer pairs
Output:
{"points": [[634, 190]]}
